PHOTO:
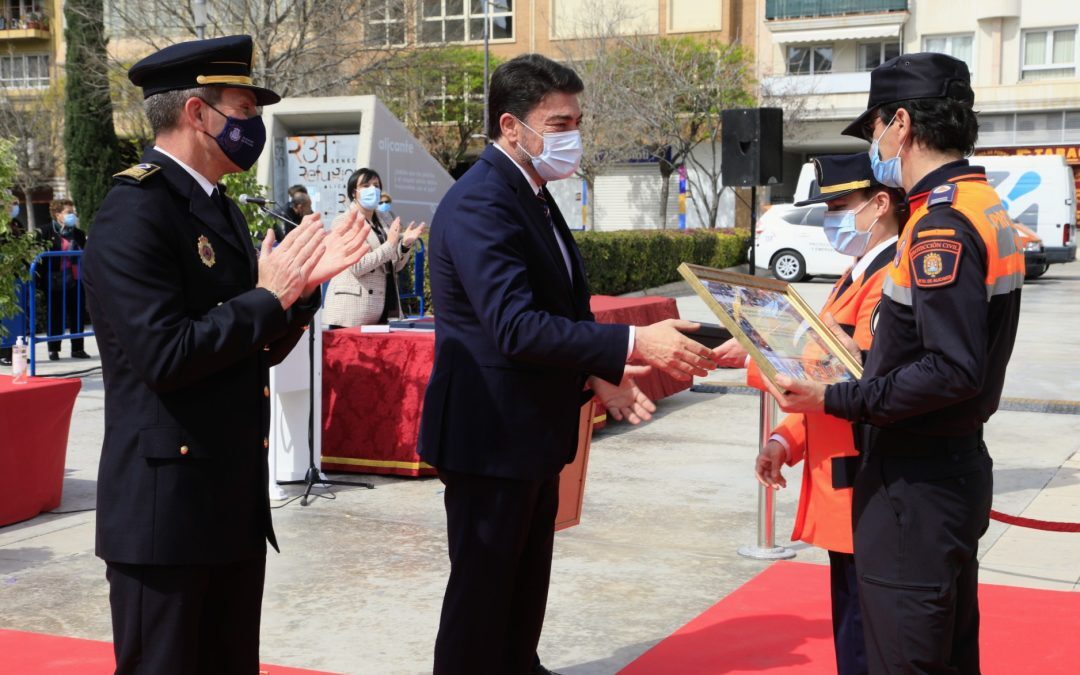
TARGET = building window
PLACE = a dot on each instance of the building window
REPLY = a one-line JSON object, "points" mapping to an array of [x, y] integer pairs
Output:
{"points": [[873, 54], [18, 14], [957, 46], [386, 24], [809, 59], [24, 71], [463, 20], [1049, 53]]}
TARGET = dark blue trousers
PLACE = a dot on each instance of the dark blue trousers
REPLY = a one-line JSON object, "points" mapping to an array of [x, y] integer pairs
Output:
{"points": [[848, 639]]}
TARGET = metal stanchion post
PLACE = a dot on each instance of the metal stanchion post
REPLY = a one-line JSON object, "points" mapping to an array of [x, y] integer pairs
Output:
{"points": [[766, 548]]}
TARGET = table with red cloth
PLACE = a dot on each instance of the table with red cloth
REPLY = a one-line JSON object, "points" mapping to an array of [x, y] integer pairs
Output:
{"points": [[34, 420], [373, 389]]}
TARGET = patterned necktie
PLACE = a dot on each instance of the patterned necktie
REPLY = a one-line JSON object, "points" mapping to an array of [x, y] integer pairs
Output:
{"points": [[559, 244]]}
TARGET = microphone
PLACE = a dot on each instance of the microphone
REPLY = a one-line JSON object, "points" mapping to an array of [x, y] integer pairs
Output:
{"points": [[257, 201]]}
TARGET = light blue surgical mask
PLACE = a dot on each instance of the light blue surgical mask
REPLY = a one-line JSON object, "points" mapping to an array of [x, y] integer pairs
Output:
{"points": [[384, 207], [887, 171], [368, 197], [15, 210], [842, 234], [71, 220]]}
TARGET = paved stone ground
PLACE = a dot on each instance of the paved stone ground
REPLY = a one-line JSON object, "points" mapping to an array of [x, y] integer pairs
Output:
{"points": [[358, 586]]}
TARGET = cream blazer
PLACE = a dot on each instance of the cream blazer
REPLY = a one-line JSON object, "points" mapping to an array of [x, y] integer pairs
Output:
{"points": [[357, 295]]}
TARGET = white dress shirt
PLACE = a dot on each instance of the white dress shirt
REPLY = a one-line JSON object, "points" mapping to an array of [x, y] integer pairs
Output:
{"points": [[202, 180]]}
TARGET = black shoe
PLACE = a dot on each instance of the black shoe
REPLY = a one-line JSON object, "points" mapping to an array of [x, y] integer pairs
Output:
{"points": [[54, 356], [5, 361], [80, 354]]}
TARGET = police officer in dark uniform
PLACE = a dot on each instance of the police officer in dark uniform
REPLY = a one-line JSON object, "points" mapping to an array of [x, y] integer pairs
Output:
{"points": [[188, 322], [933, 376]]}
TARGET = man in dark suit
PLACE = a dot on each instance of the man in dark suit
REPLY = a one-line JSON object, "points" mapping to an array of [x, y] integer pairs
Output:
{"points": [[516, 345], [188, 322]]}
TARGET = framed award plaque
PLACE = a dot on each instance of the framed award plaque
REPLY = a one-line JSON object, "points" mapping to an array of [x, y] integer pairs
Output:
{"points": [[778, 329]]}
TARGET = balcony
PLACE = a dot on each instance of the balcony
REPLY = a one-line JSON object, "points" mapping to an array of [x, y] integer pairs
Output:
{"points": [[817, 85], [23, 21], [809, 9]]}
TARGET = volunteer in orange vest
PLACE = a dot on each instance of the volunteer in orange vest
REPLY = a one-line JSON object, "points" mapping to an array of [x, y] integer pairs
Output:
{"points": [[933, 376], [862, 221]]}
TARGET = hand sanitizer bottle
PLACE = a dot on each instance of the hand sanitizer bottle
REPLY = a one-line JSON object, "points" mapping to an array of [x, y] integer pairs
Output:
{"points": [[19, 361]]}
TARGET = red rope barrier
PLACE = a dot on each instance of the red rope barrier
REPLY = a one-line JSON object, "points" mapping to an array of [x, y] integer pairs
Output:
{"points": [[1032, 523]]}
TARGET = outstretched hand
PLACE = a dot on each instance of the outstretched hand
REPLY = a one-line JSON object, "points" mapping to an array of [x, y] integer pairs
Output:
{"points": [[664, 347], [345, 245]]}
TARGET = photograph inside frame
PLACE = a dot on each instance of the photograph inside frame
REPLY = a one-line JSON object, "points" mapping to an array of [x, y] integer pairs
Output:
{"points": [[775, 325]]}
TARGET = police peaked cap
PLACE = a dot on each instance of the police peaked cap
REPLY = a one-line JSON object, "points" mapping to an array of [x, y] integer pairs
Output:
{"points": [[218, 62], [840, 175], [912, 76]]}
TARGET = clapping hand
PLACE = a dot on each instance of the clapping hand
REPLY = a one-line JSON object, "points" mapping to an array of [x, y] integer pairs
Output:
{"points": [[393, 235], [411, 234], [345, 245], [625, 401], [285, 270]]}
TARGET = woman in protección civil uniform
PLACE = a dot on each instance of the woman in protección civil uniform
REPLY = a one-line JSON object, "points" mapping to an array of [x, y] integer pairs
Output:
{"points": [[863, 220]]}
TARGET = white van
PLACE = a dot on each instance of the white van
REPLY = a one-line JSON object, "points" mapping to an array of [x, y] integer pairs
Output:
{"points": [[1040, 192], [1037, 191]]}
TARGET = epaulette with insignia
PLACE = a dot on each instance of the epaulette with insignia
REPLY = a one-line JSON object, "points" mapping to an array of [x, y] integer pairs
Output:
{"points": [[942, 194], [137, 173]]}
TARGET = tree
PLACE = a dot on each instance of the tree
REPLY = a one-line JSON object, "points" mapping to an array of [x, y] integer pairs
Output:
{"points": [[302, 47], [438, 94], [93, 151], [33, 122], [611, 131], [17, 249], [685, 84]]}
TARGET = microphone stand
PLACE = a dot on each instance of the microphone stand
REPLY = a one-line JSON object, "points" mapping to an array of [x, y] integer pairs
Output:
{"points": [[313, 476]]}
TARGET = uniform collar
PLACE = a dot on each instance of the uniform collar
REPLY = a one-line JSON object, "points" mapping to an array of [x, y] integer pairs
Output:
{"points": [[953, 172], [203, 182], [864, 262]]}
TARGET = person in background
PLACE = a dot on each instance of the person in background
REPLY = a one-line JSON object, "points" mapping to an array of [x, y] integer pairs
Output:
{"points": [[66, 300], [367, 292], [294, 210], [934, 374], [385, 206], [862, 221]]}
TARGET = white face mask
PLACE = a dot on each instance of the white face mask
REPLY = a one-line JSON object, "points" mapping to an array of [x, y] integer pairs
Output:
{"points": [[561, 154]]}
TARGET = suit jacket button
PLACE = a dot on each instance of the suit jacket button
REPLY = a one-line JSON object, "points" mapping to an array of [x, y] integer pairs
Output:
{"points": [[266, 442], [266, 392], [266, 348], [183, 449]]}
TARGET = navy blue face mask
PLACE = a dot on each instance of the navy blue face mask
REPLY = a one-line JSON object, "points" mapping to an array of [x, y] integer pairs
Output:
{"points": [[241, 140]]}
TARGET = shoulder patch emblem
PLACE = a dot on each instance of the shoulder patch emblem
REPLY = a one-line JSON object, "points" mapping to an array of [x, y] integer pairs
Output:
{"points": [[205, 251], [942, 194], [139, 172], [935, 262]]}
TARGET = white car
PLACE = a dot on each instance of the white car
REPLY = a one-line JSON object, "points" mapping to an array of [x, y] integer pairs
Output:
{"points": [[791, 242]]}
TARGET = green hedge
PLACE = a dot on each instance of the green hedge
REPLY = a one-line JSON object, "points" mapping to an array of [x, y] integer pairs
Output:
{"points": [[634, 260]]}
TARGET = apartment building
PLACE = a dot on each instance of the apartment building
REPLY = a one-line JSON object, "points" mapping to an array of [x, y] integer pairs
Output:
{"points": [[1022, 54], [30, 39], [626, 195]]}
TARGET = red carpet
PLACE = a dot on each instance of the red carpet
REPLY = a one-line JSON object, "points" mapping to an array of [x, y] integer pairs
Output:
{"points": [[38, 654], [779, 621]]}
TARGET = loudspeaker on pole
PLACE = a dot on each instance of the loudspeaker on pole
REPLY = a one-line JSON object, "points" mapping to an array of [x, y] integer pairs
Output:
{"points": [[752, 147]]}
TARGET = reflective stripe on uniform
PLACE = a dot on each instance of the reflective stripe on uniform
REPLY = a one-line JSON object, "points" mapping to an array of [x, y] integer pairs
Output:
{"points": [[1005, 284], [896, 292]]}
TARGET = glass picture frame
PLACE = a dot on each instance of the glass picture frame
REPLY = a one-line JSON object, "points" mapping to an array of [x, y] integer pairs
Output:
{"points": [[776, 326]]}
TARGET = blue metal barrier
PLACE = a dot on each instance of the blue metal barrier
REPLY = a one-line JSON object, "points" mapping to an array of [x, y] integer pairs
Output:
{"points": [[418, 280], [51, 335], [16, 325]]}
